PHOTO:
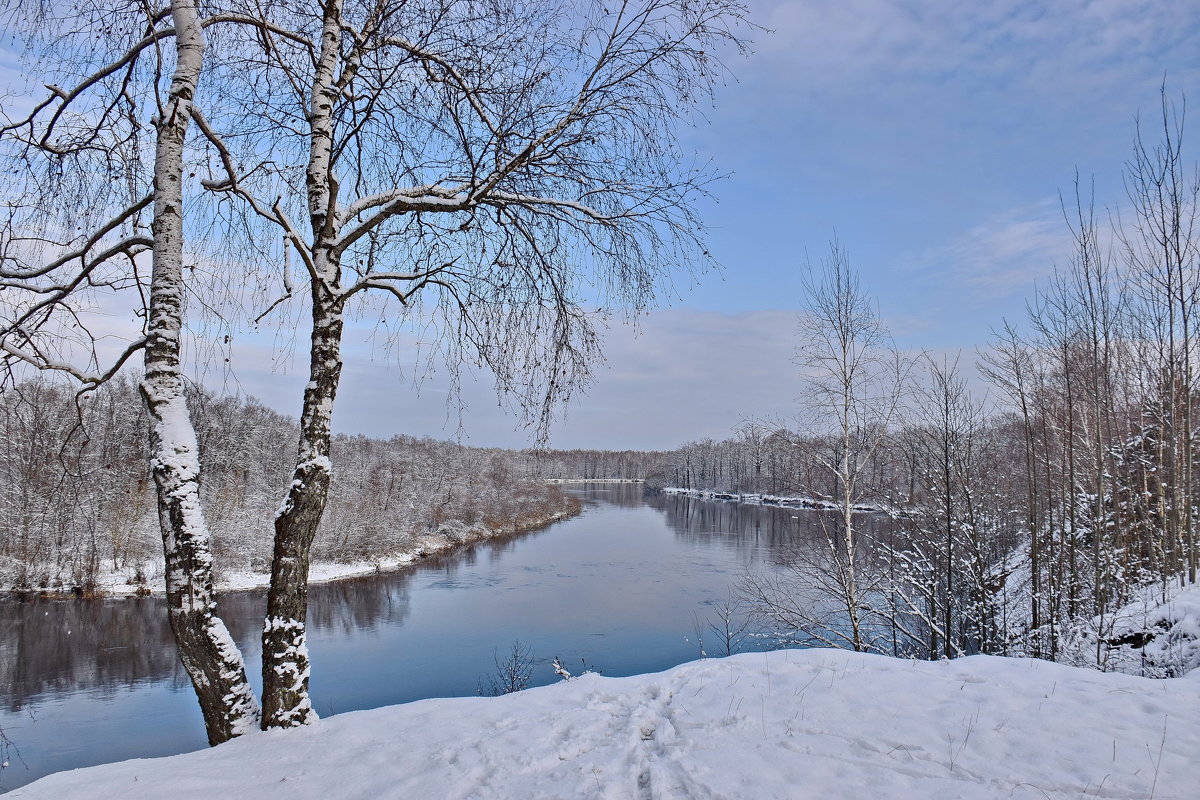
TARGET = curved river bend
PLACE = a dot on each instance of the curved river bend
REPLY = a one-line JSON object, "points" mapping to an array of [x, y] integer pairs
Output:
{"points": [[619, 588]]}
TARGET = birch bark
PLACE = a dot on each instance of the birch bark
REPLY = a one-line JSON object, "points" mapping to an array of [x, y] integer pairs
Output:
{"points": [[286, 700], [209, 654]]}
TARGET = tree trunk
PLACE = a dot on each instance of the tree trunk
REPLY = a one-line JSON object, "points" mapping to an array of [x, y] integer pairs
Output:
{"points": [[285, 652], [209, 654]]}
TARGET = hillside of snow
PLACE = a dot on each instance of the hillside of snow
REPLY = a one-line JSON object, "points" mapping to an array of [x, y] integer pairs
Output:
{"points": [[1156, 635], [787, 724]]}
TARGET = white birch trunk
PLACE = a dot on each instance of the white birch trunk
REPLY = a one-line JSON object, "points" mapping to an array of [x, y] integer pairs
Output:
{"points": [[209, 654], [286, 700]]}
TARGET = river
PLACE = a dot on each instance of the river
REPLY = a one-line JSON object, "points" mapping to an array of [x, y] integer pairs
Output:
{"points": [[617, 589]]}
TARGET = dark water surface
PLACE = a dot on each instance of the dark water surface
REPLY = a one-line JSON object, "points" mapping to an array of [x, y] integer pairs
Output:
{"points": [[619, 587]]}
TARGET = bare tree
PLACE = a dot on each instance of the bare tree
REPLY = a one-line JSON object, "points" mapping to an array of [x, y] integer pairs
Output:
{"points": [[497, 170], [49, 268], [1161, 246], [855, 382], [545, 171], [947, 563], [1009, 364], [512, 673], [856, 379]]}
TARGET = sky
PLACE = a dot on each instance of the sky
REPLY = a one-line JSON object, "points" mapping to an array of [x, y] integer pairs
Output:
{"points": [[931, 137]]}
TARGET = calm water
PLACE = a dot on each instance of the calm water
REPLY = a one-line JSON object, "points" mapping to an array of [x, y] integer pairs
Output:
{"points": [[619, 587]]}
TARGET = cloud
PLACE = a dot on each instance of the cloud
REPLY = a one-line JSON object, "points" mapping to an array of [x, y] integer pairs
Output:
{"points": [[951, 91], [1002, 256], [1046, 48], [679, 375]]}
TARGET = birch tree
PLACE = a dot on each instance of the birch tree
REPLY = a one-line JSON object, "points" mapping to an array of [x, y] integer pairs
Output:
{"points": [[95, 124], [854, 380], [490, 169]]}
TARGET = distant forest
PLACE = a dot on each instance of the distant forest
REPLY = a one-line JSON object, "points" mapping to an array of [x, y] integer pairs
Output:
{"points": [[77, 498], [1047, 509]]}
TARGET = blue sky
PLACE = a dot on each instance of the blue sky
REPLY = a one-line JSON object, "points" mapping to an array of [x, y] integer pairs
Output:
{"points": [[932, 136]]}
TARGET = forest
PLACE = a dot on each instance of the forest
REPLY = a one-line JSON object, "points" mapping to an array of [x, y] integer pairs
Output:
{"points": [[1046, 501], [77, 498]]}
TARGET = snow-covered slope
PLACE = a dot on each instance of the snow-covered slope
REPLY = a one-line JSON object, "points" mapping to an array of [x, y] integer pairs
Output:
{"points": [[1149, 636], [789, 724]]}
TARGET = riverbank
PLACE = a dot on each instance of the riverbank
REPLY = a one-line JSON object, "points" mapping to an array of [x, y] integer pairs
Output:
{"points": [[141, 581], [595, 480], [811, 503], [837, 724]]}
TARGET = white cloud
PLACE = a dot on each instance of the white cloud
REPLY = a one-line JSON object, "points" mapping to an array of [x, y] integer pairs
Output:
{"points": [[1002, 256], [681, 375], [1048, 48]]}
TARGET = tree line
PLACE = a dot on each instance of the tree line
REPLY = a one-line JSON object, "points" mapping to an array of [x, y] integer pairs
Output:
{"points": [[1034, 514], [77, 498]]}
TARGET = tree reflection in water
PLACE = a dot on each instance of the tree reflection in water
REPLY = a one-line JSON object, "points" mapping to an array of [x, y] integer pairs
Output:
{"points": [[87, 681], [58, 646]]}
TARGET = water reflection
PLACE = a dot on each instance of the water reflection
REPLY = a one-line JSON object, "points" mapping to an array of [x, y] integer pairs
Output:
{"points": [[760, 533], [358, 604], [618, 587], [53, 646], [624, 495], [751, 529]]}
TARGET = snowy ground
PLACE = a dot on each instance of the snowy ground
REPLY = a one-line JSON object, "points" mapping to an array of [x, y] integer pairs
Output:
{"points": [[814, 723], [1156, 635], [118, 582]]}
